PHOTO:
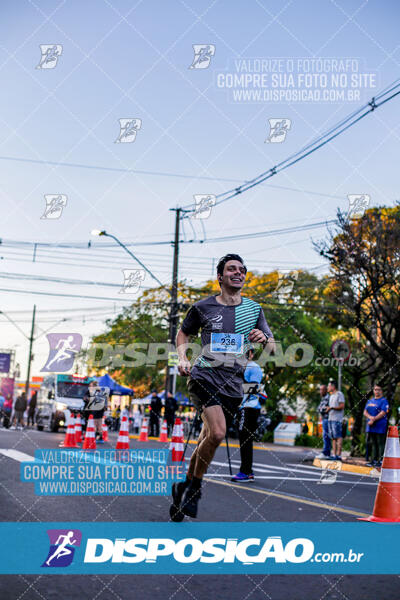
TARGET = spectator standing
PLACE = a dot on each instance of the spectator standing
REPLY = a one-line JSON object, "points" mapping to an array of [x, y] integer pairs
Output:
{"points": [[155, 411], [7, 410], [249, 413], [115, 418], [95, 401], [376, 412], [171, 406], [137, 420], [125, 413], [19, 409], [2, 413], [323, 409], [32, 408], [335, 418]]}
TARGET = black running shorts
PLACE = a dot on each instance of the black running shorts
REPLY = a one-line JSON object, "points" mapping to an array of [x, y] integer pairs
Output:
{"points": [[202, 395]]}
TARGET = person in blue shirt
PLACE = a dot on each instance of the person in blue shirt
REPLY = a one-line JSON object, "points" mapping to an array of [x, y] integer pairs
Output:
{"points": [[376, 411], [2, 412], [324, 412], [249, 412]]}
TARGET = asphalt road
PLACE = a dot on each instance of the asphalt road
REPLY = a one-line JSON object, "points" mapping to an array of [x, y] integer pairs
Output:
{"points": [[287, 488]]}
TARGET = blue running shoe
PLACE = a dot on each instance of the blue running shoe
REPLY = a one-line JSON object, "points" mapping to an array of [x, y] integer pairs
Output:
{"points": [[242, 477]]}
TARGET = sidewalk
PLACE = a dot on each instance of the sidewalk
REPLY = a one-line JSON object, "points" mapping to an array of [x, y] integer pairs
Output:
{"points": [[349, 464]]}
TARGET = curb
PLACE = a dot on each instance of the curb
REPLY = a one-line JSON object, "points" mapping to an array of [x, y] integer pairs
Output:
{"points": [[337, 465]]}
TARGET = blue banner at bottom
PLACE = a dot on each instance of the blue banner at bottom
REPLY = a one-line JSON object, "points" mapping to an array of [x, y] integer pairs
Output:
{"points": [[213, 548]]}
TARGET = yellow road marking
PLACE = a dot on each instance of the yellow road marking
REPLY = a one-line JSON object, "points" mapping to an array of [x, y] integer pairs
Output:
{"points": [[317, 463], [347, 511]]}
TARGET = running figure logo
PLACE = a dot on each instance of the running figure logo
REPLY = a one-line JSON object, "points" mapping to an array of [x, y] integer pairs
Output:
{"points": [[50, 55], [286, 281], [128, 130], [203, 205], [278, 129], [202, 56], [54, 206], [63, 349], [327, 477], [62, 547], [329, 472], [132, 281], [358, 204]]}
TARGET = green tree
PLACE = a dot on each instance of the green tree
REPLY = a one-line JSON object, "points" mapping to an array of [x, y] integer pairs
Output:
{"points": [[364, 262]]}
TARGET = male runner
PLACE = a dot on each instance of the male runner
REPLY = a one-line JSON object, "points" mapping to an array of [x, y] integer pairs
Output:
{"points": [[228, 323]]}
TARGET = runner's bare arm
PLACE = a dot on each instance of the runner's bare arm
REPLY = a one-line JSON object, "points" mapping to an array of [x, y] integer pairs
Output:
{"points": [[182, 341], [258, 336]]}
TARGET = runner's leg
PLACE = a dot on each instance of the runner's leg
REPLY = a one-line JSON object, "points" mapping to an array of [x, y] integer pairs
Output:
{"points": [[215, 428], [212, 435], [193, 458]]}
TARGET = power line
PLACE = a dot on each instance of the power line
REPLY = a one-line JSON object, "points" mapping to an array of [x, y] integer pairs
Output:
{"points": [[64, 310], [54, 163], [272, 232], [17, 243], [310, 148], [63, 295], [27, 277], [157, 173], [294, 229]]}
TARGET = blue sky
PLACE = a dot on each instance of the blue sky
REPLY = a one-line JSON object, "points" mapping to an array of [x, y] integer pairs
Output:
{"points": [[131, 60]]}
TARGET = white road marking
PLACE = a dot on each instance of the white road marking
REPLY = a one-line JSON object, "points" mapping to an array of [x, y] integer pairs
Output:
{"points": [[268, 468], [266, 477], [295, 479], [16, 455], [312, 468], [291, 476]]}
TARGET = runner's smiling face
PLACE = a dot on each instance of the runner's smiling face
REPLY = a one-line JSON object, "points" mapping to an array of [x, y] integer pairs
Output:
{"points": [[234, 275]]}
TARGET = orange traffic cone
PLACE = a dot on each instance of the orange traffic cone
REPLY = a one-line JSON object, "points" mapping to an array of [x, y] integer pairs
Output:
{"points": [[104, 430], [143, 437], [123, 436], [78, 429], [387, 499], [70, 440], [90, 439], [164, 433], [177, 443]]}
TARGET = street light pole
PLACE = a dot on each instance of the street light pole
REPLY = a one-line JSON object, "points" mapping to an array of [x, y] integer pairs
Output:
{"points": [[98, 232], [173, 313], [28, 374]]}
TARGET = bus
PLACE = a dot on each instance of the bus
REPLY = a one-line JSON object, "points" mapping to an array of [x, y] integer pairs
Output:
{"points": [[58, 396]]}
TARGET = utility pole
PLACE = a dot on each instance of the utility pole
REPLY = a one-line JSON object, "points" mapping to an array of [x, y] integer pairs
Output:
{"points": [[173, 314], [28, 374]]}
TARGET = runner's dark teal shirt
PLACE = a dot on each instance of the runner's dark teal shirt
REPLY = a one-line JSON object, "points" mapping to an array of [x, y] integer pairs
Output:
{"points": [[210, 317]]}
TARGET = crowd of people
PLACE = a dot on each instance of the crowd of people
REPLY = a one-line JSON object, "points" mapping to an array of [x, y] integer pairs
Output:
{"points": [[19, 413], [13, 412], [331, 409]]}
